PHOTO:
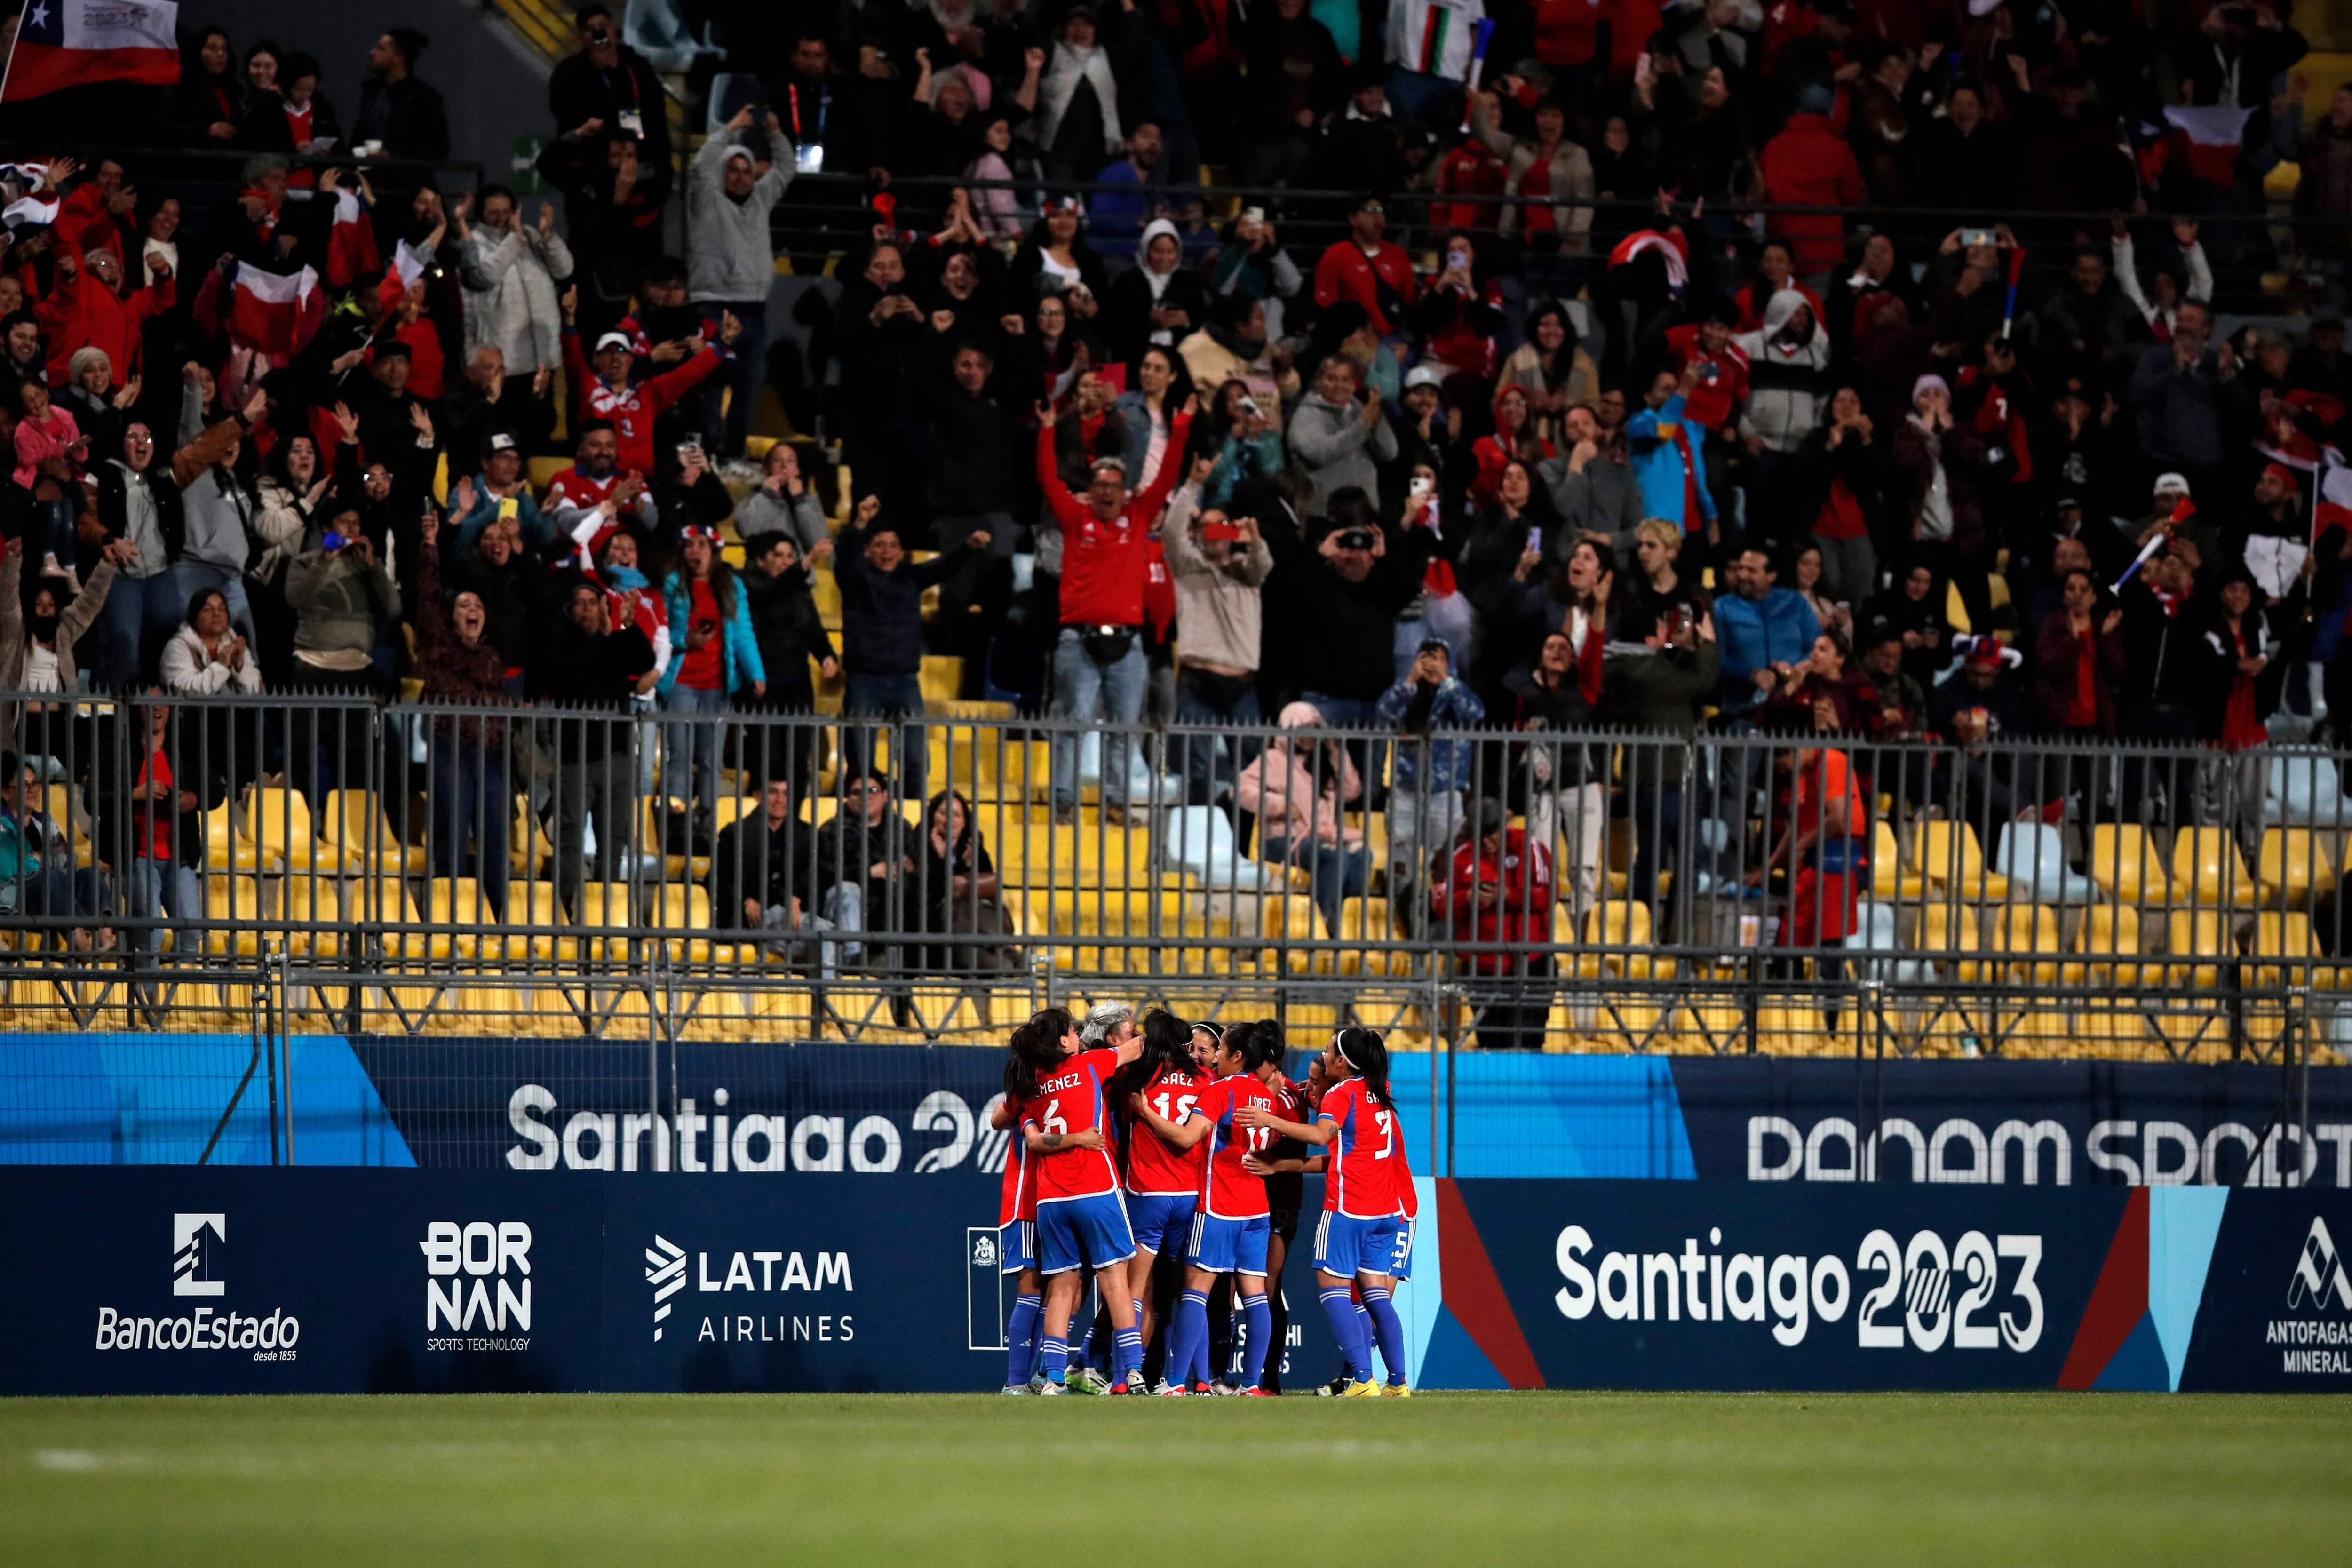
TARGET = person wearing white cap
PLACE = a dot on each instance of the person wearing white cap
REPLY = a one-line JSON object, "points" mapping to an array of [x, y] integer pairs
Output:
{"points": [[731, 265], [630, 406]]}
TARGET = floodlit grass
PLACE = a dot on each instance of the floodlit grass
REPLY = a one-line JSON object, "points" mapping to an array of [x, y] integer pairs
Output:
{"points": [[1549, 1477]]}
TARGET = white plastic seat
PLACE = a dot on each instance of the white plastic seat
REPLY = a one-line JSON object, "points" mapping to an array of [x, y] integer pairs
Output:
{"points": [[1198, 840], [2303, 789], [1875, 931], [2033, 858]]}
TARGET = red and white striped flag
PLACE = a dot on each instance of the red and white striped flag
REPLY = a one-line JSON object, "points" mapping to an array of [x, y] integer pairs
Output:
{"points": [[1672, 248], [2210, 138], [73, 43], [351, 243], [267, 315]]}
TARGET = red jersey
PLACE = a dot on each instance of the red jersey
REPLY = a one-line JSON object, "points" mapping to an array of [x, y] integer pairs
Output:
{"points": [[1072, 1100], [637, 404], [1154, 1168], [1408, 1196], [1018, 1199], [1228, 1192], [1382, 283], [1105, 565], [1723, 377], [1359, 1179]]}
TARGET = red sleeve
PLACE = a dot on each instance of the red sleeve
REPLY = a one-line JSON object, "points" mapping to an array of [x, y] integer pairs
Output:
{"points": [[576, 374], [1066, 509], [64, 303], [1850, 190], [208, 293], [672, 384], [1589, 661], [156, 298], [1327, 277]]}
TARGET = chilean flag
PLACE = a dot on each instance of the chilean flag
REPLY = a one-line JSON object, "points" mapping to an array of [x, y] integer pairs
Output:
{"points": [[269, 309], [73, 43], [2210, 138], [1670, 247], [351, 243]]}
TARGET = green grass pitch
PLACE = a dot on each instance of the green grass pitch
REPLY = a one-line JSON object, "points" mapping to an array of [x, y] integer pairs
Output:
{"points": [[886, 1479]]}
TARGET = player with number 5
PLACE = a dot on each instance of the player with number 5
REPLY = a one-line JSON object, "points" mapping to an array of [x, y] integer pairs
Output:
{"points": [[1357, 1237]]}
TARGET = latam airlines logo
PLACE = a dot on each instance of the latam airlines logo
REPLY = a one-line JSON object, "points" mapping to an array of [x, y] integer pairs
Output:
{"points": [[666, 1272], [195, 1270], [2319, 1273]]}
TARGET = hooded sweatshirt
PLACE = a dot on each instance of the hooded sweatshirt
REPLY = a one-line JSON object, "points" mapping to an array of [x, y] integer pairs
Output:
{"points": [[1788, 373], [731, 256]]}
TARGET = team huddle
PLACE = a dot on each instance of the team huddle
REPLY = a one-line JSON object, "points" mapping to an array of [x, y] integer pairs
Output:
{"points": [[1134, 1142]]}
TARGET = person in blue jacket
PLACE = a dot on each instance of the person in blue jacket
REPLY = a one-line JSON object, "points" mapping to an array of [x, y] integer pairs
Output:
{"points": [[1668, 455], [713, 654], [478, 500], [1764, 630]]}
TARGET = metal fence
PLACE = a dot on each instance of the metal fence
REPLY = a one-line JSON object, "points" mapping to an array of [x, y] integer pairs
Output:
{"points": [[509, 871]]}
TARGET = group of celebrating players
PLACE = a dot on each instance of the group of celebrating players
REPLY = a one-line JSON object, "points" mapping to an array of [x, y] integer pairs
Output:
{"points": [[1132, 1140]]}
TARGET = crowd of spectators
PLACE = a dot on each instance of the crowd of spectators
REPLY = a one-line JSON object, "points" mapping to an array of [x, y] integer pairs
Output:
{"points": [[1569, 416]]}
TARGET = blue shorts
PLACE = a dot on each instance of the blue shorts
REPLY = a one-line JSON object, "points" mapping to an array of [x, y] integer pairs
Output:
{"points": [[1347, 1246], [1083, 1233], [1401, 1265], [1229, 1245], [1162, 1221], [1016, 1244]]}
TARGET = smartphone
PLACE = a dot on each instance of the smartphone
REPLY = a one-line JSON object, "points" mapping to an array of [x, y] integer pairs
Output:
{"points": [[809, 158], [330, 541], [512, 506], [685, 447], [1535, 540], [1972, 236], [1220, 533], [1421, 486]]}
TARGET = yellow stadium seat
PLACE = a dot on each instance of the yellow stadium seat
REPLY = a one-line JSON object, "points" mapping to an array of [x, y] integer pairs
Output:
{"points": [[2125, 864], [1956, 937], [1948, 853], [226, 848], [309, 901], [2287, 936], [457, 902], [1889, 882], [528, 850], [2209, 869], [2295, 865], [383, 900], [235, 902], [2029, 932], [2109, 931], [278, 821], [351, 819], [1362, 922], [57, 802], [683, 909], [2196, 933], [2036, 1036]]}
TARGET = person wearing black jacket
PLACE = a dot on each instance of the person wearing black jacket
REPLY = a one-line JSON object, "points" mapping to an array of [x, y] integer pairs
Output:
{"points": [[882, 627], [880, 340], [609, 81], [1344, 593], [397, 108], [592, 665], [2166, 663], [764, 878], [790, 632], [514, 587], [397, 429], [977, 474]]}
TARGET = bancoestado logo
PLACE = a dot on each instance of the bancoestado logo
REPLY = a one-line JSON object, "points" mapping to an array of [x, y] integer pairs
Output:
{"points": [[1928, 1294], [2143, 1154], [2318, 1345], [694, 1141], [197, 1242], [778, 1272], [477, 1285]]}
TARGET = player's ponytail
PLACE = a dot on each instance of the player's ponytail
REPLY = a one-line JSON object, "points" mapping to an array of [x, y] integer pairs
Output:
{"points": [[1167, 1047], [1270, 1045], [1364, 1050], [1037, 1047]]}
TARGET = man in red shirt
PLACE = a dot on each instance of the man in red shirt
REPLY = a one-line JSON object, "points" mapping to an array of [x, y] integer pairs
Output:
{"points": [[1105, 560], [1809, 164], [614, 394], [1368, 269]]}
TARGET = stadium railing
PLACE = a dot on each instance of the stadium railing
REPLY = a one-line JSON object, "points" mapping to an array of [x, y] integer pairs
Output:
{"points": [[415, 869]]}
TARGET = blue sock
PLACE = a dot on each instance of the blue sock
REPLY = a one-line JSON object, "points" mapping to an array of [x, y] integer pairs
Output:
{"points": [[1127, 1344], [1388, 1330], [1020, 1341], [1054, 1352], [1188, 1338], [1083, 1355], [1258, 1322], [1347, 1327]]}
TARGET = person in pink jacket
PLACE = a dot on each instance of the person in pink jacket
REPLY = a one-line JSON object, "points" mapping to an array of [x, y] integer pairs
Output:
{"points": [[1299, 789], [51, 452]]}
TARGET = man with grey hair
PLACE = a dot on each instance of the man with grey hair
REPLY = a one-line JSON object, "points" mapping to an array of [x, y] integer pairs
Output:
{"points": [[88, 309]]}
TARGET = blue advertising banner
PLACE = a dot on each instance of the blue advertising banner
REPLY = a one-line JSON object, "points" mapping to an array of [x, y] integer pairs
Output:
{"points": [[175, 1279], [650, 1106]]}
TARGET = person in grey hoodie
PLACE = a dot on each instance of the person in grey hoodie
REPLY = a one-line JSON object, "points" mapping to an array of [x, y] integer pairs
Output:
{"points": [[732, 265], [1341, 440], [218, 507]]}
